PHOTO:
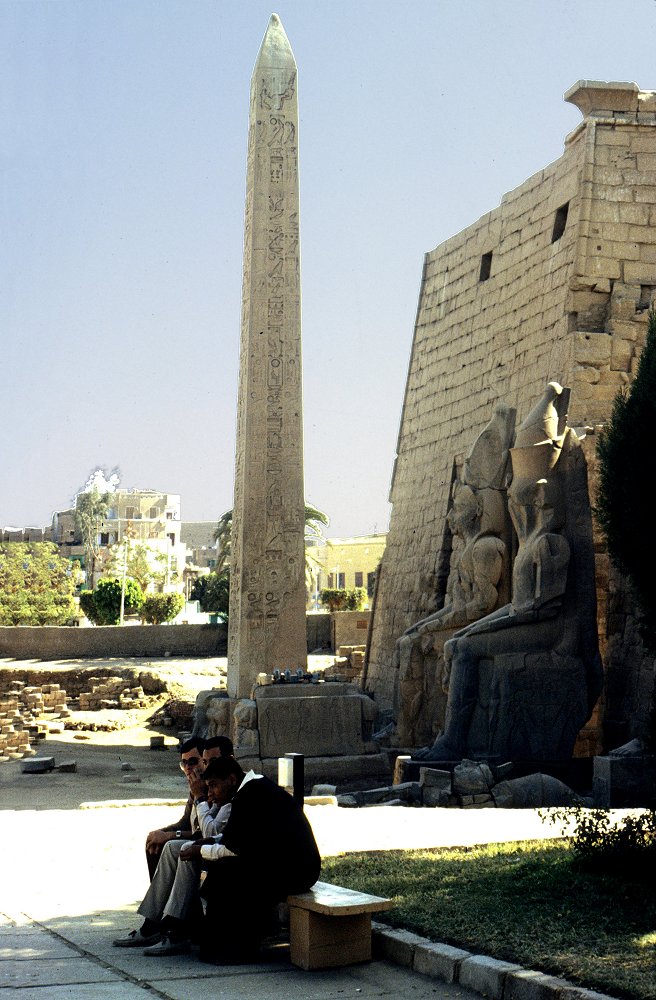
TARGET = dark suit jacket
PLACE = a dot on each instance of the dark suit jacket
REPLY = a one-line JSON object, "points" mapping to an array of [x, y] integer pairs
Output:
{"points": [[268, 830]]}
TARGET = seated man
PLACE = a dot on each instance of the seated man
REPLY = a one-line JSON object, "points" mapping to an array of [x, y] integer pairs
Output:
{"points": [[267, 851], [191, 753], [168, 902]]}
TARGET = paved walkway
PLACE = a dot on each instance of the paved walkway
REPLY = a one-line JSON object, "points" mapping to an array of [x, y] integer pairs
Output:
{"points": [[73, 960], [70, 881]]}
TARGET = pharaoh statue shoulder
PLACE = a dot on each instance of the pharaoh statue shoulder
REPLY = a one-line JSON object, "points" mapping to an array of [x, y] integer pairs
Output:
{"points": [[477, 520], [524, 678]]}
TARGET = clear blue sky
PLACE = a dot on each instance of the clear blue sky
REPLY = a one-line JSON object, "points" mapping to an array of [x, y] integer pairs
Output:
{"points": [[122, 154]]}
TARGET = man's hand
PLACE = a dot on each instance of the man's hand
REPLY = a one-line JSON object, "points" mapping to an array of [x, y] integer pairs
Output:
{"points": [[156, 839], [196, 785], [191, 852]]}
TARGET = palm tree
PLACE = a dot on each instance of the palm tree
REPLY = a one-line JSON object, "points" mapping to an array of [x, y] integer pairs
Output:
{"points": [[91, 508], [314, 520]]}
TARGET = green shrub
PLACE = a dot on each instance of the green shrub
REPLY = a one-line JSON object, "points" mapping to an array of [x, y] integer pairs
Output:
{"points": [[212, 591], [88, 606], [103, 606], [36, 584], [624, 848], [356, 598], [333, 599], [158, 608]]}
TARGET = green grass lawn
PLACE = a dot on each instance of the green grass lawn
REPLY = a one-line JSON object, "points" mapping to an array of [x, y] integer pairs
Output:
{"points": [[529, 903]]}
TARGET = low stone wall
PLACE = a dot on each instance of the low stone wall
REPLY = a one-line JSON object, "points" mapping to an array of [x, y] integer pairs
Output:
{"points": [[349, 628], [62, 643]]}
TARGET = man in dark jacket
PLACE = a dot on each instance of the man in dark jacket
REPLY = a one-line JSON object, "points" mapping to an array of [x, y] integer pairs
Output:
{"points": [[267, 852]]}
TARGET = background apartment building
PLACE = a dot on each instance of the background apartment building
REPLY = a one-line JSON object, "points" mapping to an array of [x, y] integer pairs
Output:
{"points": [[345, 563]]}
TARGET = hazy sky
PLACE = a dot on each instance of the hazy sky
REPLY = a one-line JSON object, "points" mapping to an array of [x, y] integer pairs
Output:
{"points": [[123, 129]]}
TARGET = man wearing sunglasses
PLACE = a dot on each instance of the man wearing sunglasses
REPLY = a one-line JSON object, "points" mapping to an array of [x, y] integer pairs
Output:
{"points": [[191, 756], [169, 902]]}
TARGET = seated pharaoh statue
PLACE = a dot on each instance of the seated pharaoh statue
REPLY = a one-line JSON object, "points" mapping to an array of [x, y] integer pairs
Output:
{"points": [[524, 679], [478, 571]]}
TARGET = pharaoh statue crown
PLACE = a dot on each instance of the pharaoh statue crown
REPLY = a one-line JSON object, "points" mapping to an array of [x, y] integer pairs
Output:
{"points": [[540, 436], [486, 464]]}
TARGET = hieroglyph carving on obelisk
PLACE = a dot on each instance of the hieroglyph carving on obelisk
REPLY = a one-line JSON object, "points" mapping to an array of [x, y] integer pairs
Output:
{"points": [[267, 590]]}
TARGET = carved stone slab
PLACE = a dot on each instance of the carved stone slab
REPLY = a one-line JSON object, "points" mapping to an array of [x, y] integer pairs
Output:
{"points": [[315, 726], [267, 597]]}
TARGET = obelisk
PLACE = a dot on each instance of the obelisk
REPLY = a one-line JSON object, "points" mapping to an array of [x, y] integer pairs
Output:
{"points": [[267, 586]]}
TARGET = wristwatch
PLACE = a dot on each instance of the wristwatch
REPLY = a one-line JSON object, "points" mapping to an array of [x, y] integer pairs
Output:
{"points": [[178, 834]]}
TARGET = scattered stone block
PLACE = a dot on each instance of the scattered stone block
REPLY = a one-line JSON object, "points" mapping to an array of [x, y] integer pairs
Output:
{"points": [[157, 743], [324, 789], [40, 765], [622, 781], [533, 791], [320, 800], [67, 767], [131, 779], [502, 772], [436, 797], [472, 778], [126, 766], [408, 791], [399, 768], [430, 777]]}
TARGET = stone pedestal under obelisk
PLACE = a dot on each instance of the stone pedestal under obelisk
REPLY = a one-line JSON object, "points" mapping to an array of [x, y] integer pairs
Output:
{"points": [[267, 588]]}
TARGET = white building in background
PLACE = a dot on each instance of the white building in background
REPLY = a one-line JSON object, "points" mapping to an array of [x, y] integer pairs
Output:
{"points": [[136, 518], [149, 519]]}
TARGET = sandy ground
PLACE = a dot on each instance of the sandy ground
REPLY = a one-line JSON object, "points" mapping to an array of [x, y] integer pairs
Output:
{"points": [[100, 756], [95, 819]]}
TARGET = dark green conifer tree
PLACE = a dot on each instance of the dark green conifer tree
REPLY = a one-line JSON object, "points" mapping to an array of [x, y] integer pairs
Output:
{"points": [[626, 495]]}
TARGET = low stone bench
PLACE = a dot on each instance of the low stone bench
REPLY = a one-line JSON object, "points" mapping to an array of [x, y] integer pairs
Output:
{"points": [[331, 926]]}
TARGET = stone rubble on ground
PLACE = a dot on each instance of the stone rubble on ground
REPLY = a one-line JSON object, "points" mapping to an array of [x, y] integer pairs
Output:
{"points": [[347, 666], [111, 692], [471, 785], [27, 715]]}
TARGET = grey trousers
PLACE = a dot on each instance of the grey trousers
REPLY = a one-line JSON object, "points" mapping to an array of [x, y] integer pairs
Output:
{"points": [[174, 885]]}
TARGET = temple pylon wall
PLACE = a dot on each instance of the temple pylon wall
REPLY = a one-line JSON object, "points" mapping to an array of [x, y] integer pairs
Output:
{"points": [[555, 283]]}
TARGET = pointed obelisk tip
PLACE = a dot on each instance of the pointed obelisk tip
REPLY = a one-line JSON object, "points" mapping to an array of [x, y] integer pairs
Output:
{"points": [[275, 45], [274, 27]]}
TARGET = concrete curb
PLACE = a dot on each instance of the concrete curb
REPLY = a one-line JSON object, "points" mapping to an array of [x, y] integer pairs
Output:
{"points": [[490, 977]]}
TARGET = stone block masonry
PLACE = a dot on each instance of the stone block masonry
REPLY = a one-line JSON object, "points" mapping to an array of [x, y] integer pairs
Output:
{"points": [[555, 283], [26, 713]]}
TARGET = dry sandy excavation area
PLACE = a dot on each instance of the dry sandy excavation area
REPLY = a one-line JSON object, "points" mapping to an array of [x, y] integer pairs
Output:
{"points": [[111, 747]]}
